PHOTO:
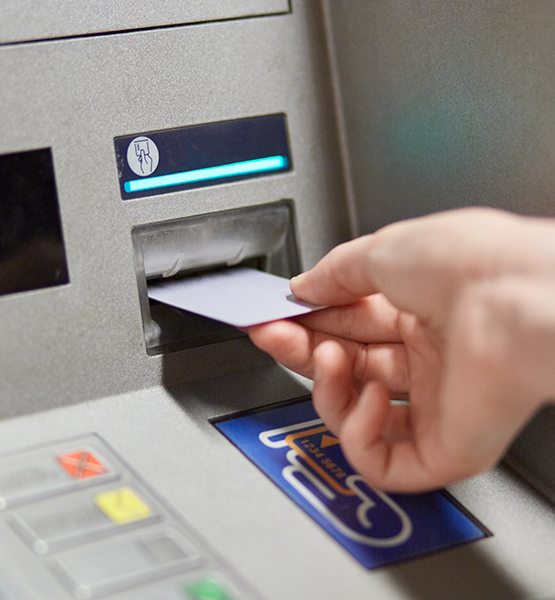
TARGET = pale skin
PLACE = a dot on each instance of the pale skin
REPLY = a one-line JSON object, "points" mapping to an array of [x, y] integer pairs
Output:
{"points": [[455, 313]]}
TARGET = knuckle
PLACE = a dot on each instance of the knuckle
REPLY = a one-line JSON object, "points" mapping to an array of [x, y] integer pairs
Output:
{"points": [[490, 327]]}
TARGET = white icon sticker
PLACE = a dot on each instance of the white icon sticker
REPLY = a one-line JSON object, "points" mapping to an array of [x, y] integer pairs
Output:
{"points": [[142, 156]]}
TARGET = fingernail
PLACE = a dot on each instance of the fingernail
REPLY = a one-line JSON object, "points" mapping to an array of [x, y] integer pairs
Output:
{"points": [[294, 282]]}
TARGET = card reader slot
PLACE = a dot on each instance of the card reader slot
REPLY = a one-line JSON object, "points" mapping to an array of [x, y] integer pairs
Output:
{"points": [[181, 329], [261, 237]]}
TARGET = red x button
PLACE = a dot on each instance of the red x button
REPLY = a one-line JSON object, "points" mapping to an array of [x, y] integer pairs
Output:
{"points": [[81, 464]]}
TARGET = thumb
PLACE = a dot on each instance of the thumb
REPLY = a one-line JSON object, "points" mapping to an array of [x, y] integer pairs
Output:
{"points": [[343, 276]]}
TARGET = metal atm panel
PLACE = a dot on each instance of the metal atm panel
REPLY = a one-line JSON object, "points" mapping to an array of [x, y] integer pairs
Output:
{"points": [[112, 88], [26, 21], [82, 395]]}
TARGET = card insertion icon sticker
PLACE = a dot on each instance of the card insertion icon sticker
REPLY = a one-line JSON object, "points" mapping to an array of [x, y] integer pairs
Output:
{"points": [[293, 447]]}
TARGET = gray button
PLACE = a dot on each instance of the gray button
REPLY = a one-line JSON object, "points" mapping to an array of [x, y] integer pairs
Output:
{"points": [[62, 522], [30, 480], [36, 475], [115, 565]]}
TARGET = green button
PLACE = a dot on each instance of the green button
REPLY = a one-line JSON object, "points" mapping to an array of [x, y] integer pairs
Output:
{"points": [[206, 589]]}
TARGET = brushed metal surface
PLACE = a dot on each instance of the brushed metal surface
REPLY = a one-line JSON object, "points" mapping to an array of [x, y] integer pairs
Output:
{"points": [[26, 20], [447, 105], [85, 340]]}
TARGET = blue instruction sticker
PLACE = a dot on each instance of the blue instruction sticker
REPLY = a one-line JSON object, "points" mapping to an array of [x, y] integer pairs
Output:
{"points": [[293, 447]]}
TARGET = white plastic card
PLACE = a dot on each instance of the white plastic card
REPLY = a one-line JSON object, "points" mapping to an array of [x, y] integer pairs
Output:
{"points": [[238, 296]]}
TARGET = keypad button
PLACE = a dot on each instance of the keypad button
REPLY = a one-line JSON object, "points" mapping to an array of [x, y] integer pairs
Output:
{"points": [[207, 589]]}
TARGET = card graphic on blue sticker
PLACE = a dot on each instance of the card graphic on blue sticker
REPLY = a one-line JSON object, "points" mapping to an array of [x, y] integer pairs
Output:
{"points": [[293, 447]]}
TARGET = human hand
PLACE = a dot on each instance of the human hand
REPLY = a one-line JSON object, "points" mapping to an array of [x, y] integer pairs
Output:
{"points": [[453, 312]]}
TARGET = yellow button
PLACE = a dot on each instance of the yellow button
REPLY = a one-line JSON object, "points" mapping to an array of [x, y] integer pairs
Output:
{"points": [[122, 506]]}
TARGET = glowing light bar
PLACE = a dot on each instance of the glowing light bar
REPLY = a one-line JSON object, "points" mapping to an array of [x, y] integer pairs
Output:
{"points": [[260, 165]]}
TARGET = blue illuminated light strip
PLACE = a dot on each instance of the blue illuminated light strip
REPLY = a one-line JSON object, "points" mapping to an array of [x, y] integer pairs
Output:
{"points": [[259, 165]]}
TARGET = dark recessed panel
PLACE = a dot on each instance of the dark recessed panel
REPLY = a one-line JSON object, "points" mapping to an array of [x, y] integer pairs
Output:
{"points": [[32, 254]]}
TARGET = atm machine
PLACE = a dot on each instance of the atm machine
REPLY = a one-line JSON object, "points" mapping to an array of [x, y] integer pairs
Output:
{"points": [[147, 141]]}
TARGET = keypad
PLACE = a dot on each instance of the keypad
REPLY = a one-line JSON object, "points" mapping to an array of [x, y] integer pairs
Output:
{"points": [[88, 521]]}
